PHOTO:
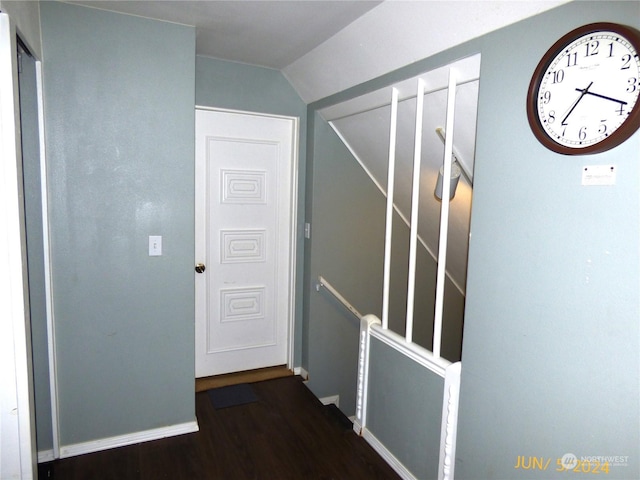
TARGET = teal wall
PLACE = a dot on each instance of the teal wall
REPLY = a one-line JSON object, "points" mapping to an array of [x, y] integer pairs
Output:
{"points": [[551, 338], [412, 433], [119, 97], [237, 86], [345, 230], [551, 352], [347, 213]]}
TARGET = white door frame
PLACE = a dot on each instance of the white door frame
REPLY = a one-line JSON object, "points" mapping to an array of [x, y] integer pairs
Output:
{"points": [[17, 416], [293, 221], [48, 280]]}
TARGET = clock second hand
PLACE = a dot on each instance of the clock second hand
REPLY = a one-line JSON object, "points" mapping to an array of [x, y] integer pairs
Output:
{"points": [[575, 104], [622, 102]]}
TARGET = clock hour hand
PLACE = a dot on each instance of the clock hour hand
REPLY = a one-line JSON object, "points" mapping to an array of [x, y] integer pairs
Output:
{"points": [[622, 102], [583, 92]]}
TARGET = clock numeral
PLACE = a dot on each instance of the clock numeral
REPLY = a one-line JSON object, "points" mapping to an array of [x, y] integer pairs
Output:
{"points": [[626, 61], [572, 59], [633, 85], [558, 76], [546, 97], [592, 48], [611, 50], [602, 128], [620, 111], [582, 134], [552, 116]]}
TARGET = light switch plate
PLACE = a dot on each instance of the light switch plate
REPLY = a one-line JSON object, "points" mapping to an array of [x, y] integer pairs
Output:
{"points": [[155, 245]]}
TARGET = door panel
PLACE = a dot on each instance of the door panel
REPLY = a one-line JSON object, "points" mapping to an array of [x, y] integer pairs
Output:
{"points": [[244, 212]]}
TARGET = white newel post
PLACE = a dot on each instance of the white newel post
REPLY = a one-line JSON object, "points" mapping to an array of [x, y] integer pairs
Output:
{"points": [[449, 426], [363, 372]]}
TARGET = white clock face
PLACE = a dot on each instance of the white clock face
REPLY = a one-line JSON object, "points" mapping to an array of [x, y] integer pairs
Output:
{"points": [[589, 89]]}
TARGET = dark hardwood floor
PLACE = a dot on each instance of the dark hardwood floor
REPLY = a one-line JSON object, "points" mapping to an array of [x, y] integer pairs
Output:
{"points": [[286, 434]]}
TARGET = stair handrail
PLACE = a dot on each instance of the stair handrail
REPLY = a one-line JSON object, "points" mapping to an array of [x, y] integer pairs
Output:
{"points": [[322, 282]]}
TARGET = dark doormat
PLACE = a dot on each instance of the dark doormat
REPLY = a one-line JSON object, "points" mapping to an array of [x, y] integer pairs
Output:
{"points": [[232, 395]]}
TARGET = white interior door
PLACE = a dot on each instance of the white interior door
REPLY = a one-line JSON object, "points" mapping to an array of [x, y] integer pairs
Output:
{"points": [[245, 214]]}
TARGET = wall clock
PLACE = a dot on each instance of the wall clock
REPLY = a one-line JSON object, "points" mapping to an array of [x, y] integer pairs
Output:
{"points": [[583, 96]]}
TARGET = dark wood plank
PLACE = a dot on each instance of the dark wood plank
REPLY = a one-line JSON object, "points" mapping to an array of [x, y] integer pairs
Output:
{"points": [[286, 434], [114, 464]]}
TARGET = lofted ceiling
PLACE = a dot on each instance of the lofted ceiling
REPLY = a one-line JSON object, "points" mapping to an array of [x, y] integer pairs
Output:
{"points": [[267, 33], [324, 47]]}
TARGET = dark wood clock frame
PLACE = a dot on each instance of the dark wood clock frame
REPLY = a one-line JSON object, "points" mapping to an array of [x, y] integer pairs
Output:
{"points": [[630, 125]]}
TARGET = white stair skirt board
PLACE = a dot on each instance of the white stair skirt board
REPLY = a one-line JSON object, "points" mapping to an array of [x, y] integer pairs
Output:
{"points": [[128, 439], [357, 426], [387, 456], [335, 399], [46, 456]]}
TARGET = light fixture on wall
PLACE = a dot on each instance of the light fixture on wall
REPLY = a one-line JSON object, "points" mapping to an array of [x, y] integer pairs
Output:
{"points": [[456, 170], [455, 177]]}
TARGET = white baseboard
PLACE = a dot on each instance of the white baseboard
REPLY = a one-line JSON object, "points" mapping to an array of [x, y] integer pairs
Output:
{"points": [[335, 399], [302, 372], [356, 426], [388, 457], [128, 439], [45, 456]]}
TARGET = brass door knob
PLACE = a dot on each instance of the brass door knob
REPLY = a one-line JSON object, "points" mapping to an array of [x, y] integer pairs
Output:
{"points": [[200, 268]]}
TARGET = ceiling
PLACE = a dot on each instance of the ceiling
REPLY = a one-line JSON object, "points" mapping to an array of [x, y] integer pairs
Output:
{"points": [[324, 47], [264, 33]]}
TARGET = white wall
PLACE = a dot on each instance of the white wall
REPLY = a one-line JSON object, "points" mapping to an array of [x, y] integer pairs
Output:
{"points": [[396, 34]]}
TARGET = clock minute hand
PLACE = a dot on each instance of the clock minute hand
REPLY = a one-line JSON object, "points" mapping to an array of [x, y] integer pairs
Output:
{"points": [[622, 102], [575, 104]]}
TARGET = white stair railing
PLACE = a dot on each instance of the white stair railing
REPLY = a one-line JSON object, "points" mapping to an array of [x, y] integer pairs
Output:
{"points": [[371, 326], [322, 282]]}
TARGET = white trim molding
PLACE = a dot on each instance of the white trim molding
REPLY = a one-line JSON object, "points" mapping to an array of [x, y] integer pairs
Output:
{"points": [[127, 439], [46, 456], [332, 399], [366, 324], [415, 352], [302, 372], [449, 428], [388, 457], [48, 276]]}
